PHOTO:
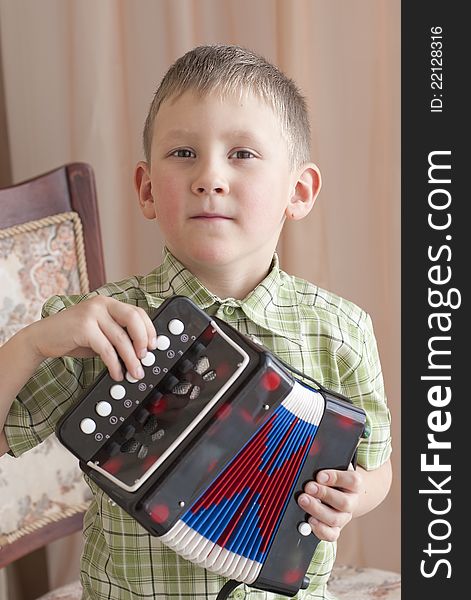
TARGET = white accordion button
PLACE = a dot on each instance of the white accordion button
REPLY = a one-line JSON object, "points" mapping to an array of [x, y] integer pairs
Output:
{"points": [[148, 360], [176, 327], [103, 408], [163, 343], [117, 392], [130, 378], [304, 528], [87, 425]]}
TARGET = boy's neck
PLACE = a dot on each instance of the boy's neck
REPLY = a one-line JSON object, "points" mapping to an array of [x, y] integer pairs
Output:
{"points": [[228, 281]]}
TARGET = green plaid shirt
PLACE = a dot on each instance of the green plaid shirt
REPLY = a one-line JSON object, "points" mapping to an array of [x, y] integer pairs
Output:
{"points": [[318, 333]]}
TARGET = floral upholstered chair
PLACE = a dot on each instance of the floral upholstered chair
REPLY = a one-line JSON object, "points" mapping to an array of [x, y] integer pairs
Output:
{"points": [[50, 243]]}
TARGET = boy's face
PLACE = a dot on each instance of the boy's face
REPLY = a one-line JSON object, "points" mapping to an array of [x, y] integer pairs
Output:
{"points": [[219, 182]]}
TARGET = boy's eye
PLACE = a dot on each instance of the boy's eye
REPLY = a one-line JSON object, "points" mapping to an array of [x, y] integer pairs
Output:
{"points": [[243, 154], [183, 153]]}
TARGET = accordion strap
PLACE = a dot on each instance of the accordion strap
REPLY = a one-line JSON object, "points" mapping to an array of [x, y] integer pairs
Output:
{"points": [[227, 588]]}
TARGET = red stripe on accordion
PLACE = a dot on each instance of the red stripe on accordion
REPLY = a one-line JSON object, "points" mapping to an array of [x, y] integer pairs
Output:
{"points": [[248, 471]]}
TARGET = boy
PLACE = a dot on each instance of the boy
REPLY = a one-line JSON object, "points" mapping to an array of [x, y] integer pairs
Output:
{"points": [[227, 162]]}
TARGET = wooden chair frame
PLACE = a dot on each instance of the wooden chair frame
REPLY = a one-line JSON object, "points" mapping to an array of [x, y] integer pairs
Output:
{"points": [[67, 188]]}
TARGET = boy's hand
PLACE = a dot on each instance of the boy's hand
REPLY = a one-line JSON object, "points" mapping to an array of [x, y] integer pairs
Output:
{"points": [[331, 501], [98, 326]]}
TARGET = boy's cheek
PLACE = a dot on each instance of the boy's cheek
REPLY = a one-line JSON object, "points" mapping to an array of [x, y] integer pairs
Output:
{"points": [[168, 191]]}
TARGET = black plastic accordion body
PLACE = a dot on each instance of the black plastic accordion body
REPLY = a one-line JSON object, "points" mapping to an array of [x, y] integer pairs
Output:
{"points": [[210, 450]]}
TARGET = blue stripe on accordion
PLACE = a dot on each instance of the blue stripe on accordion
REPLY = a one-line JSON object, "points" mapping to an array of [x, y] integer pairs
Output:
{"points": [[247, 538]]}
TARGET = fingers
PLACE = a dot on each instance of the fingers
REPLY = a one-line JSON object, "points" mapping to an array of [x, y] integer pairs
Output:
{"points": [[101, 326], [330, 501], [128, 334], [323, 531], [112, 343], [326, 522], [139, 327], [337, 499], [115, 330], [349, 480], [104, 348], [331, 515]]}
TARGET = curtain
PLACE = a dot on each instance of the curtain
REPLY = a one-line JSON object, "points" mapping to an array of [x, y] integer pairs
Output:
{"points": [[78, 78]]}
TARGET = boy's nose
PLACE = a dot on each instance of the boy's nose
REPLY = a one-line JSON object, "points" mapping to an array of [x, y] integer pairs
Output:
{"points": [[209, 183]]}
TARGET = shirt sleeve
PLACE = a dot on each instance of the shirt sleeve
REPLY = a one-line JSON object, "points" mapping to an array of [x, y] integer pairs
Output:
{"points": [[365, 387], [50, 392]]}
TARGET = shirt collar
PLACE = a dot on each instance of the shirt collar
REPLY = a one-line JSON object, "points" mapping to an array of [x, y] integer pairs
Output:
{"points": [[271, 305]]}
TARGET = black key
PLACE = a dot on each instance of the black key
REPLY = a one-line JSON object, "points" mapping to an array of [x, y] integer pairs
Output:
{"points": [[151, 425], [170, 382], [185, 365], [130, 446], [128, 431], [113, 449], [141, 415]]}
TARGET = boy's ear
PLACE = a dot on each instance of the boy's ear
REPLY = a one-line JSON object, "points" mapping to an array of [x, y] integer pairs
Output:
{"points": [[307, 187], [143, 186]]}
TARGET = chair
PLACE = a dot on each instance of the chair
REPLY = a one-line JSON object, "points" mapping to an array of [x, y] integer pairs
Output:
{"points": [[50, 242]]}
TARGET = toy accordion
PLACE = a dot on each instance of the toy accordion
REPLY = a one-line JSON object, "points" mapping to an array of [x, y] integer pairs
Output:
{"points": [[210, 450]]}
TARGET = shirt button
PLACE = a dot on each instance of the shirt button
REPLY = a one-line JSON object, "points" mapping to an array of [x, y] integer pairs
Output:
{"points": [[229, 310], [238, 594]]}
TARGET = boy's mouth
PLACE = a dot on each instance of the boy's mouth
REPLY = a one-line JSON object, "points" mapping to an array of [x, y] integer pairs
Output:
{"points": [[211, 216]]}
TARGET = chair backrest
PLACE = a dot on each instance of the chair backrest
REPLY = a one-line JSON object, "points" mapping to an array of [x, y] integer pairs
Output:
{"points": [[50, 243]]}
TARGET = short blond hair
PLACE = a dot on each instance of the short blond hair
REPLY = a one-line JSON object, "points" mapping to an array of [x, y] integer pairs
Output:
{"points": [[235, 70]]}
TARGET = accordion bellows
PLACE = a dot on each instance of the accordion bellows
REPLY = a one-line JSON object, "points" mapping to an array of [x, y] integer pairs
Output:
{"points": [[230, 527]]}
